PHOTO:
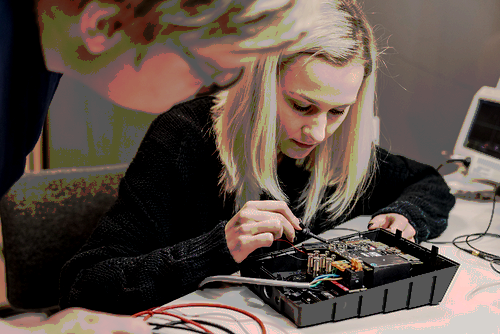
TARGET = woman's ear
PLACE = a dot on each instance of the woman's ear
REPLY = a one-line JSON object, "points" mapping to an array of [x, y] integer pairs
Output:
{"points": [[93, 32]]}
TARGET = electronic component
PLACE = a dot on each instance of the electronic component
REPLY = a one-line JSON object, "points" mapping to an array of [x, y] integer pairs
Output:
{"points": [[367, 265]]}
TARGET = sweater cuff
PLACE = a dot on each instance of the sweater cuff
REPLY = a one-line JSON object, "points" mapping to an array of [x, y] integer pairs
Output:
{"points": [[208, 249], [416, 217]]}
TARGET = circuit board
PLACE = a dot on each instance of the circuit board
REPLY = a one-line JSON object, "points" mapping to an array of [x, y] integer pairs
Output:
{"points": [[365, 269]]}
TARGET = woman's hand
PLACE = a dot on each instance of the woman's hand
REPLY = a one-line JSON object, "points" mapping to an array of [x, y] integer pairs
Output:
{"points": [[258, 224], [393, 222], [75, 320]]}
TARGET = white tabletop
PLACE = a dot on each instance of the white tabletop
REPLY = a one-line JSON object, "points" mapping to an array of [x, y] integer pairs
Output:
{"points": [[471, 304]]}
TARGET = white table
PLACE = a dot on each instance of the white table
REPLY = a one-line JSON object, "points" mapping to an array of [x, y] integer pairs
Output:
{"points": [[471, 304]]}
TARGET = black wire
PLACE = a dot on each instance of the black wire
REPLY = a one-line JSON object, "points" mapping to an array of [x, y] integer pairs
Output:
{"points": [[491, 258], [495, 262], [173, 324], [297, 258], [208, 323]]}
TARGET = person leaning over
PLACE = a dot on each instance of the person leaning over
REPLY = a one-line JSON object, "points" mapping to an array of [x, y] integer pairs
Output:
{"points": [[219, 177], [145, 55]]}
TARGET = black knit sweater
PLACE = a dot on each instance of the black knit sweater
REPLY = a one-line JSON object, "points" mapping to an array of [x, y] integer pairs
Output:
{"points": [[165, 233]]}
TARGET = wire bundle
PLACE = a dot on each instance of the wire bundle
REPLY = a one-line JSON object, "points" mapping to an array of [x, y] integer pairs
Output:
{"points": [[322, 278], [198, 323]]}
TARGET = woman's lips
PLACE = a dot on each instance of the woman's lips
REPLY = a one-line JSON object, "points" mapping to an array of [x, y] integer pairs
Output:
{"points": [[301, 145]]}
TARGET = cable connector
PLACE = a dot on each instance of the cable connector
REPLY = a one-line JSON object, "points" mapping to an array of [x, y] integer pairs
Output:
{"points": [[466, 162]]}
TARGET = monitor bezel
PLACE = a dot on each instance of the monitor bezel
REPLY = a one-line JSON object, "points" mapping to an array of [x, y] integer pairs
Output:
{"points": [[460, 150]]}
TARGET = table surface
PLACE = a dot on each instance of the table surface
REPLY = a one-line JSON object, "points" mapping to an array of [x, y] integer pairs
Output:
{"points": [[471, 304]]}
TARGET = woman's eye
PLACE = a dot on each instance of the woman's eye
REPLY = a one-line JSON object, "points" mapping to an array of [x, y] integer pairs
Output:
{"points": [[337, 111], [301, 108]]}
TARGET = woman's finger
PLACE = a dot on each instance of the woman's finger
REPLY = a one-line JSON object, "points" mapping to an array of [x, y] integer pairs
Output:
{"points": [[381, 221], [270, 222], [249, 243], [281, 208], [407, 231], [273, 226], [389, 221], [393, 222]]}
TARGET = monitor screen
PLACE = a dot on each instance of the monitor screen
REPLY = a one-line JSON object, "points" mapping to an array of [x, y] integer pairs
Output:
{"points": [[484, 133]]}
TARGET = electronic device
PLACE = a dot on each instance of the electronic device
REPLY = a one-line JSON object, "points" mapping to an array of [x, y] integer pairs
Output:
{"points": [[352, 276], [479, 138]]}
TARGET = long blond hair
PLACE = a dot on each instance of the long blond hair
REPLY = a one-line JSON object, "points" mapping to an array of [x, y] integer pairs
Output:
{"points": [[247, 127]]}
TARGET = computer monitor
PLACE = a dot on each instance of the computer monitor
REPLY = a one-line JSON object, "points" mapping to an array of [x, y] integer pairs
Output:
{"points": [[479, 137]]}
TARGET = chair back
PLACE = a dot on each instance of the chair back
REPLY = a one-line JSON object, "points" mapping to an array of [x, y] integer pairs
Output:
{"points": [[46, 218]]}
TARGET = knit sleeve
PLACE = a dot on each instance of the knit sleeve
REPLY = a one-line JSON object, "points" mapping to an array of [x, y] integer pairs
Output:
{"points": [[164, 234], [414, 190]]}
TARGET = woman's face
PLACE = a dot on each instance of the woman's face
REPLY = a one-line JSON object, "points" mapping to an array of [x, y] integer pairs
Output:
{"points": [[314, 101]]}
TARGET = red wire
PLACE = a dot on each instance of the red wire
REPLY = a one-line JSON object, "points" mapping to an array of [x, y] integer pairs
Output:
{"points": [[162, 309], [151, 313], [292, 245]]}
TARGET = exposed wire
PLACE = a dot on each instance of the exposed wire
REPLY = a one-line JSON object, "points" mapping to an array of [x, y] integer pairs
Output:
{"points": [[318, 282], [324, 276]]}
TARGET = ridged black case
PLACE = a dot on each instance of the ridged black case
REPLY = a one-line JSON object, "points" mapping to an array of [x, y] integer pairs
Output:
{"points": [[425, 286]]}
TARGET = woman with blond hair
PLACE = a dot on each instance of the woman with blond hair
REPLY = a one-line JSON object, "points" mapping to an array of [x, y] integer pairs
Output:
{"points": [[221, 176]]}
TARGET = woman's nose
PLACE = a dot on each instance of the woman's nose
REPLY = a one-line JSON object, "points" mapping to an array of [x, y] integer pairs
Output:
{"points": [[318, 127]]}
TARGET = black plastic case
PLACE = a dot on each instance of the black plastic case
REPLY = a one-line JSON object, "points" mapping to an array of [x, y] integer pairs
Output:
{"points": [[427, 286]]}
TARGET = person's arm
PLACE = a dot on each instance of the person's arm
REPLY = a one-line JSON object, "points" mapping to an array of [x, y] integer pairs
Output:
{"points": [[23, 102], [165, 233], [414, 190], [73, 320], [7, 328]]}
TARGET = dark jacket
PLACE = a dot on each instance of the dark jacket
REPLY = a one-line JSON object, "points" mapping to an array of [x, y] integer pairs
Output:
{"points": [[26, 88]]}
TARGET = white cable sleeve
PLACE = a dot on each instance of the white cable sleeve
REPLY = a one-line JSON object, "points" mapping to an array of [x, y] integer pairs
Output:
{"points": [[257, 281]]}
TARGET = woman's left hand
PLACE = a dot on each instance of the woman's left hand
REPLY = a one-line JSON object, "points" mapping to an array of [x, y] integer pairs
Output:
{"points": [[393, 222]]}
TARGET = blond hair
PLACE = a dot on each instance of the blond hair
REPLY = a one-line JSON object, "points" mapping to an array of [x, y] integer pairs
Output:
{"points": [[247, 129]]}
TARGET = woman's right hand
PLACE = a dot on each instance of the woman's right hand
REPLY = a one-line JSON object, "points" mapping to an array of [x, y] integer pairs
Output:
{"points": [[258, 224]]}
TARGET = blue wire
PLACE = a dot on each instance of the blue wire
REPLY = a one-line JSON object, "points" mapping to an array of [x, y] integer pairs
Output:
{"points": [[324, 276], [320, 277]]}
